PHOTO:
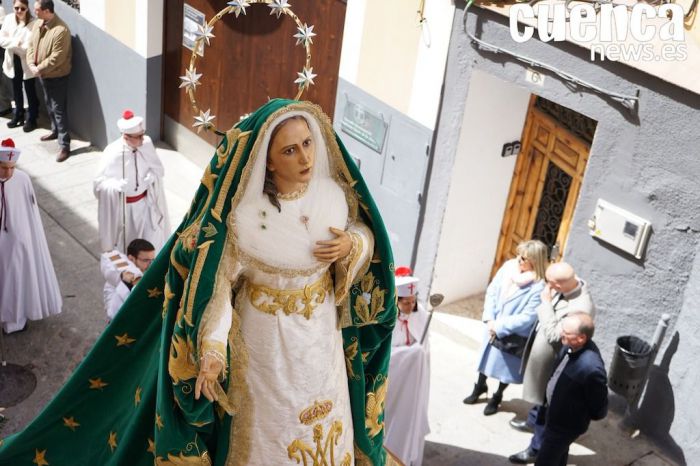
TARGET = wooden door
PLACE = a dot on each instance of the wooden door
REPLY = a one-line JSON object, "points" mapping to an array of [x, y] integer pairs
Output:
{"points": [[546, 183], [251, 58]]}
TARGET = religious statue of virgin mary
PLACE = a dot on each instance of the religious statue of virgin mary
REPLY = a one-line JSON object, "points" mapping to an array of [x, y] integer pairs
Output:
{"points": [[260, 335]]}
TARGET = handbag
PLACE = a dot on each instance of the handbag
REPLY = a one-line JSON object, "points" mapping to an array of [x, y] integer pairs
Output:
{"points": [[511, 344]]}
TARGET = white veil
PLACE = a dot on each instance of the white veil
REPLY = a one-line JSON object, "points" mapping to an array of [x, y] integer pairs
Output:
{"points": [[286, 239]]}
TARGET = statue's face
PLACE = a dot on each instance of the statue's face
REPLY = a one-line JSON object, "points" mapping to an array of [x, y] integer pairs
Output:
{"points": [[7, 169], [291, 156]]}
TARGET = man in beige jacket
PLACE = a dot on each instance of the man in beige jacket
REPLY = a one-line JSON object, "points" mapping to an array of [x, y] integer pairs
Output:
{"points": [[49, 55], [565, 293]]}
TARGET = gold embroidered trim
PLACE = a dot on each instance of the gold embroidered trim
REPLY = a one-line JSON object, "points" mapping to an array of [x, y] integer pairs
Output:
{"points": [[315, 413], [181, 364], [350, 353], [182, 460], [270, 300], [322, 453], [222, 152], [240, 397], [220, 300], [375, 408], [294, 194], [252, 262], [181, 270], [194, 280], [370, 303], [228, 179]]}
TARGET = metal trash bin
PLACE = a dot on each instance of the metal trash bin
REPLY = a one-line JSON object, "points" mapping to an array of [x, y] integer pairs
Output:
{"points": [[629, 366]]}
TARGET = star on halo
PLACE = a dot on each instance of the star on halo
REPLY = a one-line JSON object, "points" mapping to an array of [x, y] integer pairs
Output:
{"points": [[279, 7], [191, 79], [203, 120], [238, 6], [306, 78], [305, 34], [204, 32]]}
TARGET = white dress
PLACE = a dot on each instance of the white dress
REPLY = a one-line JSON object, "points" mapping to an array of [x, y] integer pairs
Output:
{"points": [[288, 376], [406, 409], [142, 172], [28, 286]]}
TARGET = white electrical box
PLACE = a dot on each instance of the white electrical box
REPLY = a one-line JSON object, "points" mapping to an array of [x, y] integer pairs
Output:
{"points": [[620, 228]]}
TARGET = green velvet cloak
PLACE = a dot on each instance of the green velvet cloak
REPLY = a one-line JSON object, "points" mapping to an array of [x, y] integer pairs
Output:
{"points": [[131, 401]]}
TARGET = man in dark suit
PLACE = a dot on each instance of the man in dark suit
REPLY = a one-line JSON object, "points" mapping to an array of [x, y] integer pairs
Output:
{"points": [[576, 393]]}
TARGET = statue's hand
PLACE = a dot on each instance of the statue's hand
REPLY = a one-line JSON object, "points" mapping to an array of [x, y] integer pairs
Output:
{"points": [[334, 249], [208, 376]]}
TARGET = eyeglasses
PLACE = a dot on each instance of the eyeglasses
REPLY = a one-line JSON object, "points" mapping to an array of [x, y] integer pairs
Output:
{"points": [[135, 136], [20, 8]]}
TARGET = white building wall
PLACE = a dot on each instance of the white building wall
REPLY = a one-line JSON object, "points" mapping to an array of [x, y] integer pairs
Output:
{"points": [[387, 54], [494, 115]]}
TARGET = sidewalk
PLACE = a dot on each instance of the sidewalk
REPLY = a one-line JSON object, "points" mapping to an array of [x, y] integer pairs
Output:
{"points": [[461, 434]]}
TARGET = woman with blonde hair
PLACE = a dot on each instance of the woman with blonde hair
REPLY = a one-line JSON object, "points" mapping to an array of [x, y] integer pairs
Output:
{"points": [[510, 311], [14, 38]]}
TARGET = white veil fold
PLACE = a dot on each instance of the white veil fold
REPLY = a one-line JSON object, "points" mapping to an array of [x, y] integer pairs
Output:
{"points": [[283, 239]]}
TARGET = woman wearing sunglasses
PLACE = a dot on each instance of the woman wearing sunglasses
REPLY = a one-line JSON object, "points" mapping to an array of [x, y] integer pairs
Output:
{"points": [[14, 38]]}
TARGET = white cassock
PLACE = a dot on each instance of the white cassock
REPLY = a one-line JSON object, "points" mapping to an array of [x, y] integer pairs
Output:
{"points": [[141, 179], [115, 291], [28, 286], [406, 415]]}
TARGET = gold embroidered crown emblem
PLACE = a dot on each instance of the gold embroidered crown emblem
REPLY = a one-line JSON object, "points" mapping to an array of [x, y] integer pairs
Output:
{"points": [[314, 413]]}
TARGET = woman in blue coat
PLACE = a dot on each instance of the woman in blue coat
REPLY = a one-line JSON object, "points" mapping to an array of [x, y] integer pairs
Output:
{"points": [[510, 307]]}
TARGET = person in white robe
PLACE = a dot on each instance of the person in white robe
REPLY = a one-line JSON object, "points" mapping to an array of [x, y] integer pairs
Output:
{"points": [[28, 285], [123, 271], [131, 177], [409, 376]]}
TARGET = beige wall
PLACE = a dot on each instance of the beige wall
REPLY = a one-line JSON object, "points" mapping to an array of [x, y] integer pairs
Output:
{"points": [[120, 20], [389, 50], [138, 24]]}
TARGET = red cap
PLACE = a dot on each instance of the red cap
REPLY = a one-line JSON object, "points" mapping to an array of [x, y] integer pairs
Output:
{"points": [[403, 271], [128, 115]]}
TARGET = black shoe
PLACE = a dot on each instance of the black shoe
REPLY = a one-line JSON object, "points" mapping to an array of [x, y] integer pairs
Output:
{"points": [[526, 456], [29, 126], [6, 111], [63, 155], [492, 405], [478, 391], [15, 122], [522, 426]]}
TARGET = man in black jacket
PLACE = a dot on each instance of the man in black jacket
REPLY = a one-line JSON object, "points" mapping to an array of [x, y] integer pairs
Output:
{"points": [[576, 393]]}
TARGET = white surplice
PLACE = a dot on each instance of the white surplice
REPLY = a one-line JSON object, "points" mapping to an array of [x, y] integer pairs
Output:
{"points": [[115, 291], [288, 370], [406, 415], [133, 172], [28, 285]]}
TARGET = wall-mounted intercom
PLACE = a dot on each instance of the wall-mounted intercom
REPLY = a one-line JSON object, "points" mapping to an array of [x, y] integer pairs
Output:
{"points": [[620, 228]]}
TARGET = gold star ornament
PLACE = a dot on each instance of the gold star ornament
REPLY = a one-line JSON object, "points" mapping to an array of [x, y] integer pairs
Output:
{"points": [[154, 293], [97, 384], [71, 423], [151, 446], [137, 396], [40, 458], [159, 421], [124, 340], [112, 441]]}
